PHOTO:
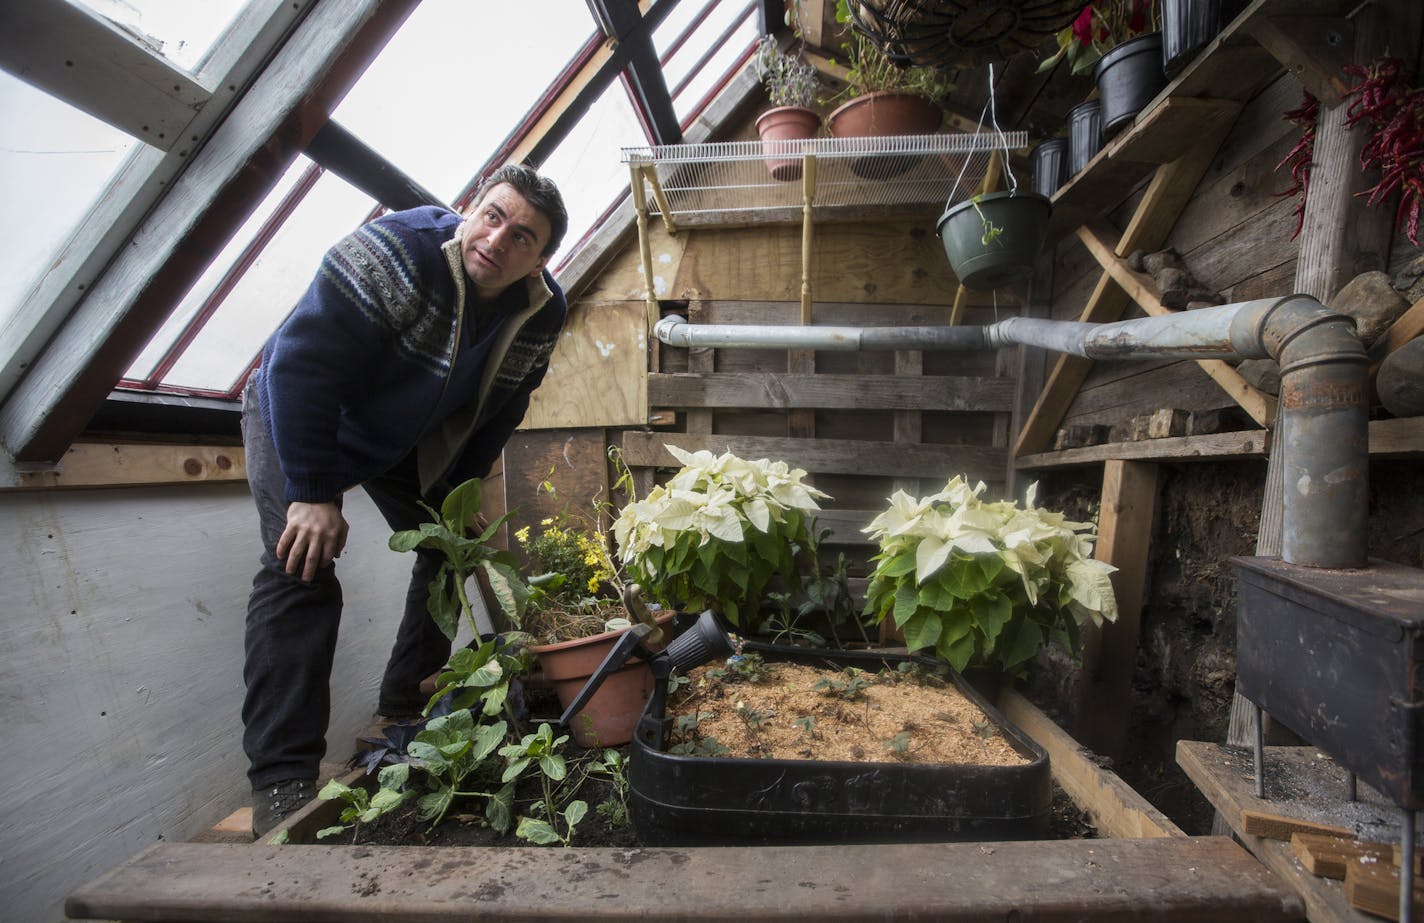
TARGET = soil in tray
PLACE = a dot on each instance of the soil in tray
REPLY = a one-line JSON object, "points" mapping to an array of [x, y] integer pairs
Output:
{"points": [[798, 711], [843, 725]]}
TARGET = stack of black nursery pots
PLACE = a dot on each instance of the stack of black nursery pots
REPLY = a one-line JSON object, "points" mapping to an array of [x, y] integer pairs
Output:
{"points": [[1127, 78]]}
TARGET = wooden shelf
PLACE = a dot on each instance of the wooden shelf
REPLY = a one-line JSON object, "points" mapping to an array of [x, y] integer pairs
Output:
{"points": [[1226, 73]]}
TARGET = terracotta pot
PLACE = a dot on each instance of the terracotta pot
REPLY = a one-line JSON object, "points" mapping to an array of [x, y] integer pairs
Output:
{"points": [[778, 128], [882, 114], [608, 718]]}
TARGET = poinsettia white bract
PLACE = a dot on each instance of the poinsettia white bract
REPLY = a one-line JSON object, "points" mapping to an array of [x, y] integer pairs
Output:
{"points": [[717, 532], [985, 583]]}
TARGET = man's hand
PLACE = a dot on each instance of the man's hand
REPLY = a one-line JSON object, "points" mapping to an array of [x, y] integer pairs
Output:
{"points": [[314, 537]]}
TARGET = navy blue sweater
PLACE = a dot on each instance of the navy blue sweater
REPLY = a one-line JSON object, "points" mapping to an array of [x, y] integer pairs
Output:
{"points": [[351, 381]]}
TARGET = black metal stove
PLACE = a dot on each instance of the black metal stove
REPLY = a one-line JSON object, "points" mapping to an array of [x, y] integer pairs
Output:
{"points": [[1337, 656]]}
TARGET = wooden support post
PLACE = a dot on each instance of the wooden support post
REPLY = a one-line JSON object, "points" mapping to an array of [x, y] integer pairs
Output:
{"points": [[645, 249], [1110, 653], [808, 190]]}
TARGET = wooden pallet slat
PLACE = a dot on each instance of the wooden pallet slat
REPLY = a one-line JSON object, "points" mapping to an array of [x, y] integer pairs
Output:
{"points": [[770, 391]]}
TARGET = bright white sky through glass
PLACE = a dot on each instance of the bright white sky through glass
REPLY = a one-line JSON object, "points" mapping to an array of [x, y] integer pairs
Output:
{"points": [[437, 101]]}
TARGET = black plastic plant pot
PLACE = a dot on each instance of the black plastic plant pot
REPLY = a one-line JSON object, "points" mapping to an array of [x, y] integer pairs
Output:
{"points": [[1050, 165], [1085, 135], [993, 240], [679, 800], [1128, 76], [1187, 25]]}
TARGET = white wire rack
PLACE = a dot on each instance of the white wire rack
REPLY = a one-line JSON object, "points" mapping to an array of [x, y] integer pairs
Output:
{"points": [[731, 177]]}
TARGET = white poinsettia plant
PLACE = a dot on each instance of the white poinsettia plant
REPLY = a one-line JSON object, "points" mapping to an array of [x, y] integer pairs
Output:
{"points": [[715, 535], [985, 583]]}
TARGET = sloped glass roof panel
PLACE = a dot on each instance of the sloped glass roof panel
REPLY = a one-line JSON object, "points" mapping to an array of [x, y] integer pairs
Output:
{"points": [[695, 64], [207, 284], [181, 30], [586, 166], [224, 348], [54, 162], [456, 79]]}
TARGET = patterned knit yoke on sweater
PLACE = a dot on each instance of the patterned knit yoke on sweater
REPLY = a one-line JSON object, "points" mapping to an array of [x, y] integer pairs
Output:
{"points": [[349, 383]]}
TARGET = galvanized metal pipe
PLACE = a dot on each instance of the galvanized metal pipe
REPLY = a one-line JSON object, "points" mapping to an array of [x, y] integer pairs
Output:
{"points": [[1323, 430]]}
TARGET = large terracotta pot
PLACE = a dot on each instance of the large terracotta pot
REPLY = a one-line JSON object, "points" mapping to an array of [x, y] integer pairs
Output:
{"points": [[882, 114], [777, 128], [610, 715]]}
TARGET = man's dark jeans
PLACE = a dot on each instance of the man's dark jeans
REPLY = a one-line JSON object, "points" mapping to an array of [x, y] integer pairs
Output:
{"points": [[292, 625]]}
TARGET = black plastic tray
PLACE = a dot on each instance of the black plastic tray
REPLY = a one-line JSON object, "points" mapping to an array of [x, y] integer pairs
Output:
{"points": [[680, 800]]}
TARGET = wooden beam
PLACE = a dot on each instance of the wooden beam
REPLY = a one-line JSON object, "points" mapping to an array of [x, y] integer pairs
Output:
{"points": [[1100, 240], [274, 120], [70, 51], [346, 155], [1312, 48], [1129, 499], [129, 465], [1214, 447], [825, 456], [1116, 809], [772, 391], [1405, 328], [1178, 879]]}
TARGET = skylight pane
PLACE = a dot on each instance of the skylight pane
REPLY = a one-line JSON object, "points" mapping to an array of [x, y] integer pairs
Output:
{"points": [[270, 288], [54, 162], [198, 295], [456, 79], [721, 15], [586, 166], [180, 30]]}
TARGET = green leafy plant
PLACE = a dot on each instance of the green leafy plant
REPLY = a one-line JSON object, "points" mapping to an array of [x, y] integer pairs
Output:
{"points": [[870, 70], [849, 684], [361, 806], [480, 676], [789, 81], [991, 230], [985, 583], [541, 749], [449, 533], [718, 532], [1098, 28], [449, 750], [611, 765]]}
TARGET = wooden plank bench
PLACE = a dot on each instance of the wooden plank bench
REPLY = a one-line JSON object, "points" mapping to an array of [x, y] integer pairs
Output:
{"points": [[1161, 879]]}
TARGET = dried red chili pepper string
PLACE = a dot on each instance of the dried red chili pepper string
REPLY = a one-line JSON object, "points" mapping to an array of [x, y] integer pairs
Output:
{"points": [[1300, 157], [1393, 112]]}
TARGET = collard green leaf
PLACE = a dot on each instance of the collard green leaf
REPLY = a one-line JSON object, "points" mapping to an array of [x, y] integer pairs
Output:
{"points": [[499, 810], [536, 831], [434, 804], [575, 812]]}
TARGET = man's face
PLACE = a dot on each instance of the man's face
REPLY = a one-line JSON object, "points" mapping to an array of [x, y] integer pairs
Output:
{"points": [[504, 241]]}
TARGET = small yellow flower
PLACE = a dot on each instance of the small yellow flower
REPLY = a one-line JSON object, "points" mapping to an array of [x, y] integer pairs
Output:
{"points": [[546, 522], [522, 535]]}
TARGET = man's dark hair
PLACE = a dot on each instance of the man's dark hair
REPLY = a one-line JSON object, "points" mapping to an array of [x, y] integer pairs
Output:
{"points": [[538, 191]]}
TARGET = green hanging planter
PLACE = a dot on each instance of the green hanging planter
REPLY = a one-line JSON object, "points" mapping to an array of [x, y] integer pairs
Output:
{"points": [[993, 240]]}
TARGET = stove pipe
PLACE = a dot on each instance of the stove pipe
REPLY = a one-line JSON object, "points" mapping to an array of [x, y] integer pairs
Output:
{"points": [[1323, 418]]}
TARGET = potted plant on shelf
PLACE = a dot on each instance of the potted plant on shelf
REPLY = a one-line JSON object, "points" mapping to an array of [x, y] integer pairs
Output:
{"points": [[718, 533], [884, 98], [1119, 43], [985, 584], [792, 86]]}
